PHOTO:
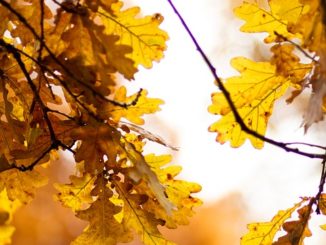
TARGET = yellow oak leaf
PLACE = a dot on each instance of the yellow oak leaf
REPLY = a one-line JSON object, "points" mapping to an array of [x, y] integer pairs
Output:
{"points": [[103, 227], [253, 94], [21, 185], [138, 105], [144, 224], [263, 233], [142, 34], [139, 218], [77, 194], [7, 209], [275, 20]]}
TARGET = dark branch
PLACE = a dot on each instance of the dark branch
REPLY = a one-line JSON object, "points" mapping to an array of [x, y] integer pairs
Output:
{"points": [[31, 166], [42, 30]]}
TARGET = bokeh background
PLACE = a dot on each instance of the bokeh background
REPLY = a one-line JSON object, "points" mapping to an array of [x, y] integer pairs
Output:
{"points": [[241, 185]]}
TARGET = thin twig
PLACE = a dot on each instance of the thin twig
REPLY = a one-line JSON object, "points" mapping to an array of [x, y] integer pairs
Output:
{"points": [[306, 144], [31, 166], [42, 30]]}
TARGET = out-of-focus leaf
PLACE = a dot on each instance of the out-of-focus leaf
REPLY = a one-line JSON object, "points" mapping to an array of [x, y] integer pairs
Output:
{"points": [[7, 209], [21, 185]]}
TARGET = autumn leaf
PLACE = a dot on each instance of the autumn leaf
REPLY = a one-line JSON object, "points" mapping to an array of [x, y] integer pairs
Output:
{"points": [[7, 209], [103, 227], [58, 92], [21, 185], [145, 224], [274, 20], [76, 194], [139, 105], [87, 44], [5, 233], [179, 192], [263, 233], [323, 227], [95, 142], [253, 94], [142, 34], [141, 220]]}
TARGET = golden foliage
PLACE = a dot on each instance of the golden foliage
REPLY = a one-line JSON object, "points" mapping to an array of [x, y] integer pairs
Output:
{"points": [[260, 84], [296, 34], [72, 57]]}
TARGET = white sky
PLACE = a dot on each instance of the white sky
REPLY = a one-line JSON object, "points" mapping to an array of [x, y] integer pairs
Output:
{"points": [[269, 179]]}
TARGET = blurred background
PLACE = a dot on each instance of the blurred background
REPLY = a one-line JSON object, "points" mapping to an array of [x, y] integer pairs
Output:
{"points": [[240, 186]]}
